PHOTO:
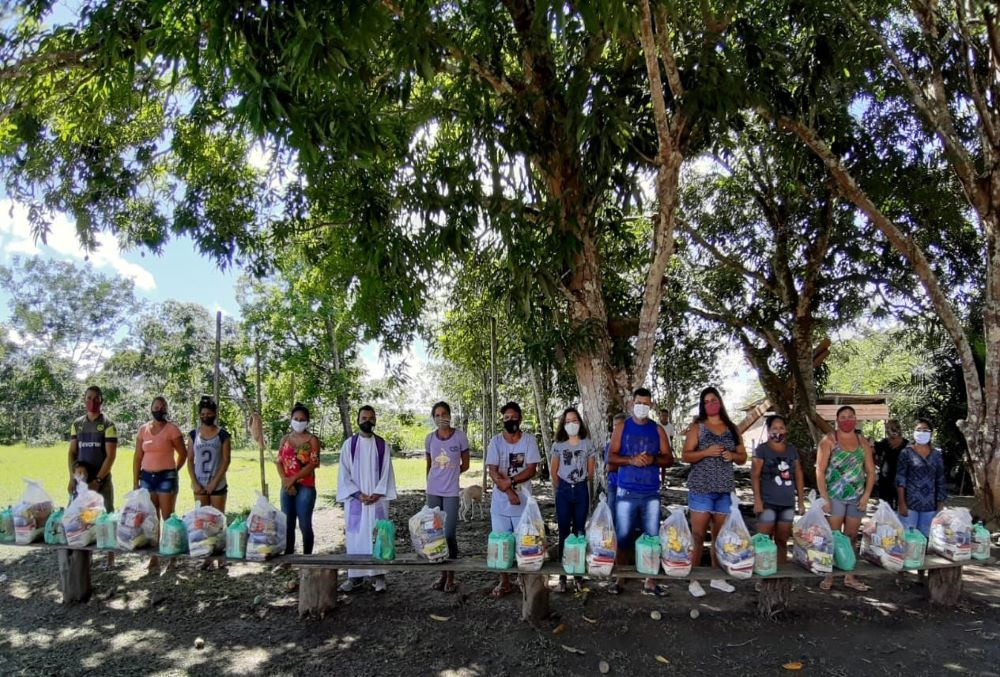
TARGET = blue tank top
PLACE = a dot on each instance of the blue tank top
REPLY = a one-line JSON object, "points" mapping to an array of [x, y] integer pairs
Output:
{"points": [[638, 438]]}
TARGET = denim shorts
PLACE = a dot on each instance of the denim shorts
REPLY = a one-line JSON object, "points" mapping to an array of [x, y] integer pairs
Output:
{"points": [[158, 482], [776, 513], [848, 509], [718, 502]]}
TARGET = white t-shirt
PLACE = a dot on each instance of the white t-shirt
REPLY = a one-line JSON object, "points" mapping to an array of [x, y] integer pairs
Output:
{"points": [[511, 459]]}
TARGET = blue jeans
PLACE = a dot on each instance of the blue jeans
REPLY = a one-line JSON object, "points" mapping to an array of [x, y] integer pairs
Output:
{"points": [[921, 521], [572, 504], [612, 497], [301, 506], [636, 510]]}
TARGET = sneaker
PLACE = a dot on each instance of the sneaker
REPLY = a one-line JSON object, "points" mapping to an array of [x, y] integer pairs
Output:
{"points": [[380, 584], [722, 585], [655, 591], [694, 587], [347, 585]]}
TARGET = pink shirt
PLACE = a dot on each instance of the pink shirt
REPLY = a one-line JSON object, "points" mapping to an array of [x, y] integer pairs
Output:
{"points": [[158, 449]]}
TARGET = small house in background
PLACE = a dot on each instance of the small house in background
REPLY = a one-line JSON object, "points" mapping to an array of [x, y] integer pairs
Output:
{"points": [[869, 408]]}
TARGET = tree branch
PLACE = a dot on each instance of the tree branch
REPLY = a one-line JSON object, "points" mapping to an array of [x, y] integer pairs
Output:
{"points": [[986, 115], [726, 259], [667, 51]]}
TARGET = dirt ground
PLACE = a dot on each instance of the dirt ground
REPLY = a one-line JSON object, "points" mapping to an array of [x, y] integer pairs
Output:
{"points": [[247, 619]]}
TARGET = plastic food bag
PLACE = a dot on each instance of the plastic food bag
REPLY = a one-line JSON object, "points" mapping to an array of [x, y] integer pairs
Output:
{"points": [[81, 516], [765, 555], [916, 548], [732, 545], [265, 531], [601, 540], [138, 525], [7, 525], [385, 541], [675, 543], [105, 531], [882, 540], [843, 552], [530, 534], [980, 542], [574, 555], [647, 555], [427, 534], [174, 540], [30, 513], [236, 539], [206, 531], [812, 538], [54, 533], [500, 551], [951, 534]]}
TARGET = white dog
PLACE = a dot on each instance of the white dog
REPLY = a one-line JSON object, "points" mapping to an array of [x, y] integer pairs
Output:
{"points": [[469, 499]]}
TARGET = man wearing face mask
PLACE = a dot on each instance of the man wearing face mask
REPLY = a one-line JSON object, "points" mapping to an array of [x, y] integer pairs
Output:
{"points": [[639, 448], [93, 440], [887, 452], [365, 485], [511, 459]]}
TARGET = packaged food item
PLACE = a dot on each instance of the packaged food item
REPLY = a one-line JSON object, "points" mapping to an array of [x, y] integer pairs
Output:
{"points": [[105, 529], [812, 538], [138, 525], [765, 555], [206, 531], [265, 531], [236, 539], [54, 533], [675, 543], [174, 540], [80, 518], [30, 513], [951, 534], [574, 555], [601, 540], [384, 547], [647, 555], [7, 534], [530, 535], [843, 552], [980, 542], [916, 548], [882, 540], [427, 534], [732, 545], [500, 551]]}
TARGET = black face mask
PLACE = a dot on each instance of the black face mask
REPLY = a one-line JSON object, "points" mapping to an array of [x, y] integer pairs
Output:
{"points": [[208, 420], [512, 426], [160, 416], [366, 427]]}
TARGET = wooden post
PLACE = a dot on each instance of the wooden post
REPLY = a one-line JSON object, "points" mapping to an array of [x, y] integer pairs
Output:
{"points": [[534, 598], [260, 413], [773, 597], [486, 430], [317, 591], [74, 575], [218, 351], [945, 585]]}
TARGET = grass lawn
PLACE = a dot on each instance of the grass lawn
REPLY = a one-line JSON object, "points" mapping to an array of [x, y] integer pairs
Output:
{"points": [[49, 465]]}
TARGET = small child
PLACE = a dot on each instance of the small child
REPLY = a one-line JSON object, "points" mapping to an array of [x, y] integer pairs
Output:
{"points": [[777, 479], [82, 472]]}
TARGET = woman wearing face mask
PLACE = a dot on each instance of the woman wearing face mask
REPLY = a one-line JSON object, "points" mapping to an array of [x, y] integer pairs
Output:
{"points": [[920, 480], [159, 452], [573, 461], [209, 454], [777, 479], [298, 458], [845, 477], [447, 453]]}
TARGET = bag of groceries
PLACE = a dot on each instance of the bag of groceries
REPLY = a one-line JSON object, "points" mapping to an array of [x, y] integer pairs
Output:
{"points": [[980, 542], [105, 531], [601, 540], [732, 545], [384, 548], [951, 534], [174, 539], [882, 539], [574, 555], [765, 555], [30, 513], [647, 555], [236, 539], [138, 525], [916, 549], [80, 518], [54, 533], [500, 550], [843, 552], [530, 535], [265, 531], [427, 534], [206, 531], [7, 525], [812, 538], [675, 543]]}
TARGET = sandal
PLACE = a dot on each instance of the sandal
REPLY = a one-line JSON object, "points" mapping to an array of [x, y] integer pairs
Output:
{"points": [[615, 589], [451, 586], [438, 585], [501, 591], [856, 585], [826, 584]]}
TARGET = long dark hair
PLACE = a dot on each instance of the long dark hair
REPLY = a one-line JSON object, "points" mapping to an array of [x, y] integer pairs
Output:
{"points": [[561, 435], [702, 416]]}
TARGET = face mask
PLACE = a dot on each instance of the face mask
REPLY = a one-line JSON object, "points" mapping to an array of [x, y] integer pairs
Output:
{"points": [[208, 420], [442, 422], [300, 426], [366, 427], [160, 416], [512, 426], [81, 477], [777, 437], [922, 436], [641, 411], [93, 406], [572, 429], [713, 407], [846, 426]]}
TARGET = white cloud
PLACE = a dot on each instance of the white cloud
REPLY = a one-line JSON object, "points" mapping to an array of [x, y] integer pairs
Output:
{"points": [[62, 242]]}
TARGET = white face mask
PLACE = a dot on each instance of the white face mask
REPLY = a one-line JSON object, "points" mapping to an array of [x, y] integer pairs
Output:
{"points": [[80, 477], [300, 426], [922, 436], [442, 422], [573, 429], [641, 411]]}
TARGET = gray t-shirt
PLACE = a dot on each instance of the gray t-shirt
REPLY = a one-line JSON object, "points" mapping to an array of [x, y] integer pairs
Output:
{"points": [[573, 459], [208, 456], [511, 459], [777, 476]]}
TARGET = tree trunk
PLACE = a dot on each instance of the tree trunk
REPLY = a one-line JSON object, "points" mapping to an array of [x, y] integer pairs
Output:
{"points": [[74, 575], [343, 406], [544, 420], [773, 597], [317, 591], [534, 598], [945, 585]]}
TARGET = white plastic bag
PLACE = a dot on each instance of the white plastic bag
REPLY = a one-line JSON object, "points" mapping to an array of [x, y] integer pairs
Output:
{"points": [[732, 545], [676, 543], [530, 534], [882, 540], [602, 543], [812, 538], [427, 534], [31, 512], [265, 530], [81, 516], [138, 525], [206, 531], [951, 534]]}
